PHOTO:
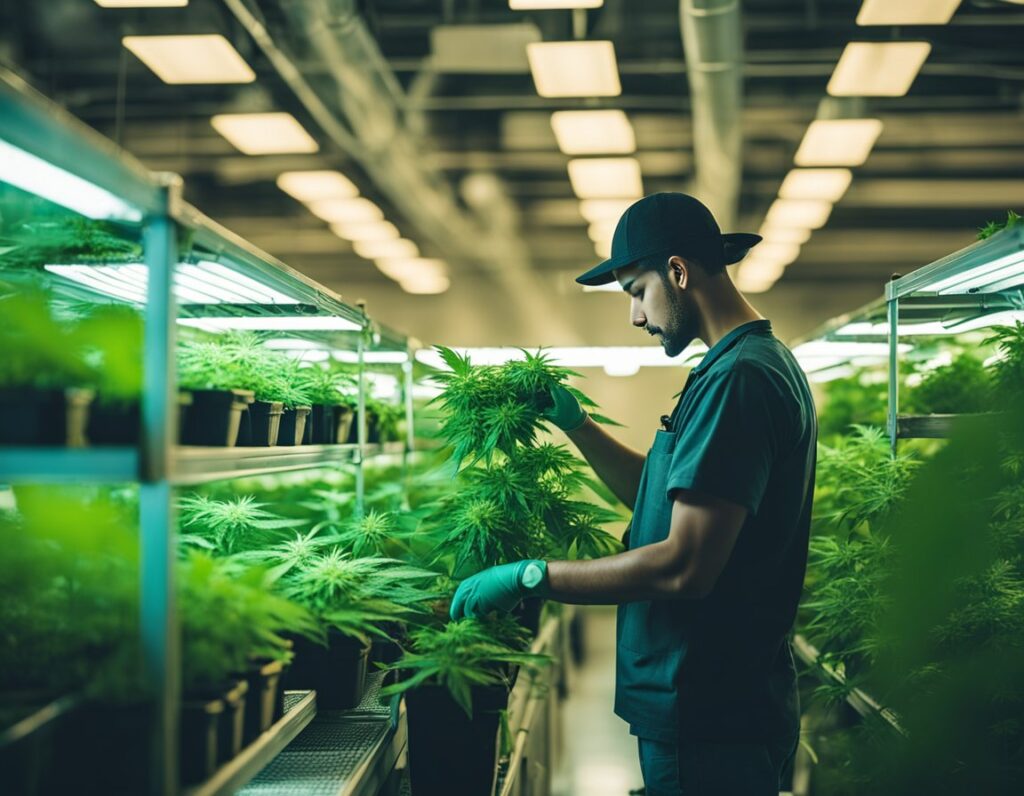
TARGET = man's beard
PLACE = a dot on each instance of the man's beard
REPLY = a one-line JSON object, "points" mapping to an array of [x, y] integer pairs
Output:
{"points": [[682, 326]]}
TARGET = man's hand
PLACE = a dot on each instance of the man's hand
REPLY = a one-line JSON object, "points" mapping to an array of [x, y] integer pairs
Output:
{"points": [[499, 588], [565, 410]]}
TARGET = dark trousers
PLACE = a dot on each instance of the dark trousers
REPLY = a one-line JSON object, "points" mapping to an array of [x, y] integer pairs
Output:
{"points": [[697, 768]]}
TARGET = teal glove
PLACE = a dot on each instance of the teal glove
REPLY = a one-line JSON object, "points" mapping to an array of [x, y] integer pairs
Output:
{"points": [[565, 410], [499, 588]]}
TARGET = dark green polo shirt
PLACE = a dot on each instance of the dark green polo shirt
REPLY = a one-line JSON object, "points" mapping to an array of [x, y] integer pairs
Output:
{"points": [[720, 668]]}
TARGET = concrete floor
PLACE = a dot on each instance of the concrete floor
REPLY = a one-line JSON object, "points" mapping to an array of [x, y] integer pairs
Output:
{"points": [[600, 755]]}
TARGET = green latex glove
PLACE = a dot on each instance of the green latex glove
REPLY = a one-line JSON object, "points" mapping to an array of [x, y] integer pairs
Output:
{"points": [[565, 410], [499, 588]]}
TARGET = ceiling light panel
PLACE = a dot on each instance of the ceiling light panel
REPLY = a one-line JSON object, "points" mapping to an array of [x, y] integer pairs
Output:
{"points": [[277, 323], [346, 211], [546, 5], [366, 231], [264, 133], [878, 69], [595, 210], [431, 285], [775, 234], [411, 268], [574, 69], [907, 12], [603, 249], [606, 178], [838, 142], [593, 132], [602, 230], [383, 249], [828, 185], [207, 58], [312, 186], [800, 213]]}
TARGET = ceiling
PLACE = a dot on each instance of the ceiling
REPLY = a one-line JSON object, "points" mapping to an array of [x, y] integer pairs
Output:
{"points": [[950, 158]]}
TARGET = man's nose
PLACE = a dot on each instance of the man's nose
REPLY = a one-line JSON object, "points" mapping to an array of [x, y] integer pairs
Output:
{"points": [[636, 315]]}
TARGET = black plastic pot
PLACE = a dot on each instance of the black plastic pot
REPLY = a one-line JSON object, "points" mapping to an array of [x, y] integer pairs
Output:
{"points": [[104, 749], [44, 417], [231, 725], [29, 753], [261, 424], [323, 425], [344, 417], [336, 672], [197, 739], [450, 753], [372, 427], [264, 679], [353, 429], [214, 417], [293, 425]]}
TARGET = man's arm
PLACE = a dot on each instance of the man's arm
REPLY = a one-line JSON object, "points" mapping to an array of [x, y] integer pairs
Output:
{"points": [[618, 465], [686, 565]]}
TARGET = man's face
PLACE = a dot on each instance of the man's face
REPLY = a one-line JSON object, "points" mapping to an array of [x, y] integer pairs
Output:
{"points": [[660, 306]]}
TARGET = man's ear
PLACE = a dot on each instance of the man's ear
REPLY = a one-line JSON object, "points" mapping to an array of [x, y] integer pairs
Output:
{"points": [[679, 271]]}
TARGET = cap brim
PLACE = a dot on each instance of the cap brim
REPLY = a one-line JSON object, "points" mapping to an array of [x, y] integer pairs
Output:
{"points": [[737, 244], [601, 274]]}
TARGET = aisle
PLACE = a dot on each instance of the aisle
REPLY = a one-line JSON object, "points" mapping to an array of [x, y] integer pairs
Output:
{"points": [[600, 754]]}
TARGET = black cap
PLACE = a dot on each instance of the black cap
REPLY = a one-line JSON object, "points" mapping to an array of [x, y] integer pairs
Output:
{"points": [[669, 223]]}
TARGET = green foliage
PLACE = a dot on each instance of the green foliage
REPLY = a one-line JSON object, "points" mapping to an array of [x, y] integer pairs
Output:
{"points": [[459, 656], [112, 336], [388, 417], [962, 386], [1008, 370], [227, 526], [377, 533], [992, 227], [855, 400], [332, 387], [68, 240], [204, 365], [40, 349]]}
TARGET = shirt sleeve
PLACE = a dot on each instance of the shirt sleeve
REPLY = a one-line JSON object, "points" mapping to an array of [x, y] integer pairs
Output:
{"points": [[727, 438]]}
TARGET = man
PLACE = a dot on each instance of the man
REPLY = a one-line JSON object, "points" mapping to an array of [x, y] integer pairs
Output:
{"points": [[709, 586]]}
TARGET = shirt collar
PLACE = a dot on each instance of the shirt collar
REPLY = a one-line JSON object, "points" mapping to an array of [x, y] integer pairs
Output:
{"points": [[729, 340]]}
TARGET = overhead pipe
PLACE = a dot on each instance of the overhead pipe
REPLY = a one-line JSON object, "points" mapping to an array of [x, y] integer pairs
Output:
{"points": [[713, 48]]}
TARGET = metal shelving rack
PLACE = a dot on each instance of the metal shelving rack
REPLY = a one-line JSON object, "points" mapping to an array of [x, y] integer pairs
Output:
{"points": [[173, 232]]}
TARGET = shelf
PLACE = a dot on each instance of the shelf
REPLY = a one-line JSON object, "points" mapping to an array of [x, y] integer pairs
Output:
{"points": [[193, 465], [68, 465], [860, 701], [234, 774], [929, 426]]}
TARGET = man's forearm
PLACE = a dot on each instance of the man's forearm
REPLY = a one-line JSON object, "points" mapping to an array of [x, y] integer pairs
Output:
{"points": [[652, 572], [618, 465]]}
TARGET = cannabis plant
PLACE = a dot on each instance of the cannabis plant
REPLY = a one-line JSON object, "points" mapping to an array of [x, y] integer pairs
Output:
{"points": [[992, 227], [40, 349], [859, 399], [204, 365], [962, 386], [329, 386], [460, 656], [376, 533], [223, 527]]}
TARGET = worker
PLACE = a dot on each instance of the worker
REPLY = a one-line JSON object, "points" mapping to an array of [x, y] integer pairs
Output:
{"points": [[709, 584]]}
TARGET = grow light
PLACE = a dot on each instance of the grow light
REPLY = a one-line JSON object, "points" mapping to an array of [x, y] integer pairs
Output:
{"points": [[826, 185], [907, 12], [594, 210], [373, 357], [838, 142], [385, 249], [606, 178], [831, 374], [799, 213], [878, 69], [204, 282], [819, 355], [773, 254], [346, 211], [366, 231], [999, 274], [264, 133], [574, 68], [775, 234], [275, 323], [207, 58], [142, 3], [311, 186], [593, 132], [52, 183], [546, 5]]}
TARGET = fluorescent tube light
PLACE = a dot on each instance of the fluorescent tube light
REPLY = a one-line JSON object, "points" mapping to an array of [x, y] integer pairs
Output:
{"points": [[429, 285], [602, 230], [52, 183], [907, 12], [999, 274], [574, 68], [606, 178], [800, 213], [763, 270], [775, 234], [781, 254], [838, 142], [275, 323], [878, 69], [206, 58], [142, 3], [366, 231], [312, 186], [593, 132], [603, 249], [346, 211], [831, 374], [827, 185], [383, 249], [264, 133], [546, 5], [594, 210]]}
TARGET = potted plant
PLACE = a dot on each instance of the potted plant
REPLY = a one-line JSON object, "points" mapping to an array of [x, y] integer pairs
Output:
{"points": [[215, 415], [330, 392], [456, 680], [112, 336], [297, 403], [44, 379]]}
